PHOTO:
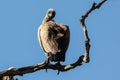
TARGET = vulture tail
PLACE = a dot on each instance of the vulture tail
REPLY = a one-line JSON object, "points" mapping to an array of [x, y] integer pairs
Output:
{"points": [[57, 57]]}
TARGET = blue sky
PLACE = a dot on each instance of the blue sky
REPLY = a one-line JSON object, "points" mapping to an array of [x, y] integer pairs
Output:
{"points": [[19, 21]]}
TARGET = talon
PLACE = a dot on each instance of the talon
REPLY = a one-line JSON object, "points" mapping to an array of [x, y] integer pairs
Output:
{"points": [[58, 72], [58, 64], [46, 70]]}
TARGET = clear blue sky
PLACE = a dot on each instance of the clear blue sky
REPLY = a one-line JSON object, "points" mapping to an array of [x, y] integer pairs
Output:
{"points": [[19, 21]]}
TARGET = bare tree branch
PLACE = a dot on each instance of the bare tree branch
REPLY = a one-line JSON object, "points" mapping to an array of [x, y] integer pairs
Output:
{"points": [[8, 78], [84, 58], [29, 69], [82, 21]]}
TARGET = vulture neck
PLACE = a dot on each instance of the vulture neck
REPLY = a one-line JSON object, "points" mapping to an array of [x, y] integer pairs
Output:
{"points": [[47, 19]]}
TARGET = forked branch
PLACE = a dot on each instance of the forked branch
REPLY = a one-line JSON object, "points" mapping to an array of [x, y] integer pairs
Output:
{"points": [[87, 39], [84, 58]]}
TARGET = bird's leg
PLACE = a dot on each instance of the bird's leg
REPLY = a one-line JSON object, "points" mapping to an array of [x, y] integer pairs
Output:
{"points": [[47, 61], [58, 64]]}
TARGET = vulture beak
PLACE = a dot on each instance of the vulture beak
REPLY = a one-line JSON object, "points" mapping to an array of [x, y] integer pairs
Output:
{"points": [[50, 15]]}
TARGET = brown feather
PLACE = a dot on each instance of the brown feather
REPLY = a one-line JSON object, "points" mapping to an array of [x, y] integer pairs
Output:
{"points": [[54, 39]]}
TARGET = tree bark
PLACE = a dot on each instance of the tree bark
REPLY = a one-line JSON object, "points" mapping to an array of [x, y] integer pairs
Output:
{"points": [[87, 39], [11, 72]]}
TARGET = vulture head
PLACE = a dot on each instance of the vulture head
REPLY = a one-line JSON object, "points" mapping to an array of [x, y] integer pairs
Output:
{"points": [[50, 14]]}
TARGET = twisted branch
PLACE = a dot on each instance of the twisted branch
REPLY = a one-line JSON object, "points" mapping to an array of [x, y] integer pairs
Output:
{"points": [[29, 69], [84, 58], [82, 21]]}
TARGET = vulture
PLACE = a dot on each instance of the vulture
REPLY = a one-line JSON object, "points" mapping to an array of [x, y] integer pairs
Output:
{"points": [[53, 38]]}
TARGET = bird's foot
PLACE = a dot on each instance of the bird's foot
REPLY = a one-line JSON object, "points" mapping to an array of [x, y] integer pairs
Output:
{"points": [[47, 62], [58, 64]]}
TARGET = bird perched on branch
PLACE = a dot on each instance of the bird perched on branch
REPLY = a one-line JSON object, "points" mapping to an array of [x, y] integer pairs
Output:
{"points": [[53, 38]]}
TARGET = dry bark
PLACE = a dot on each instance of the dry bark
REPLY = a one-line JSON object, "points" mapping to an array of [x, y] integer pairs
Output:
{"points": [[87, 39], [11, 72]]}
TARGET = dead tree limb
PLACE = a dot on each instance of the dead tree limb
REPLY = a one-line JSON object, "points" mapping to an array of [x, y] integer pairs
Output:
{"points": [[82, 21], [84, 58], [29, 69]]}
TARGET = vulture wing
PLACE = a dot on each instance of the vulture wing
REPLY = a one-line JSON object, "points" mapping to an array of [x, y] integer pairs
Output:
{"points": [[54, 40]]}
